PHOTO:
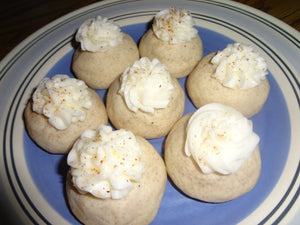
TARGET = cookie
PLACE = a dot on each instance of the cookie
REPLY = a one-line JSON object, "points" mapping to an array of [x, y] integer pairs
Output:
{"points": [[148, 104], [140, 203], [204, 88], [216, 180], [174, 41], [55, 132], [104, 52]]}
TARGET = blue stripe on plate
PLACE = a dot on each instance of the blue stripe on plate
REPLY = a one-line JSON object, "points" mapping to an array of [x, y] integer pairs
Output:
{"points": [[18, 95]]}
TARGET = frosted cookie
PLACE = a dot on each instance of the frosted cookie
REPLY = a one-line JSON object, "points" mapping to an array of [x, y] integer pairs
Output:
{"points": [[213, 154], [145, 100], [104, 52], [60, 109], [235, 76], [114, 178], [174, 41]]}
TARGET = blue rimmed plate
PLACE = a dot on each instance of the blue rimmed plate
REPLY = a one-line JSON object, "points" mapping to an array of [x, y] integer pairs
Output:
{"points": [[32, 181]]}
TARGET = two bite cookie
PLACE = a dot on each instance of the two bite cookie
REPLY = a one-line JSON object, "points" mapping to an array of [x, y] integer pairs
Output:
{"points": [[212, 154], [146, 99], [60, 109], [104, 52], [235, 76], [115, 177], [174, 41]]}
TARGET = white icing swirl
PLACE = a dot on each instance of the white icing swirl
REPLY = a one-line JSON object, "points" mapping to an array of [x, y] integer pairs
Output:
{"points": [[98, 35], [63, 100], [239, 67], [146, 85], [219, 138], [174, 25], [106, 163]]}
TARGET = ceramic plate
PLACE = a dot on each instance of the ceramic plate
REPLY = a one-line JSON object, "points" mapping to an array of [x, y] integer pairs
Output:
{"points": [[32, 181]]}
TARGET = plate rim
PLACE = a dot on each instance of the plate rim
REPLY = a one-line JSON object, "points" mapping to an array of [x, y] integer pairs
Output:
{"points": [[41, 30]]}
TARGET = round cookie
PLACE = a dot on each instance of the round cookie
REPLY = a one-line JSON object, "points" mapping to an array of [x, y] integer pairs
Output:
{"points": [[180, 58], [141, 204], [202, 88], [147, 125], [60, 141], [99, 69], [214, 187]]}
